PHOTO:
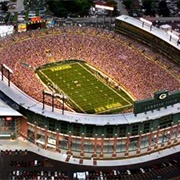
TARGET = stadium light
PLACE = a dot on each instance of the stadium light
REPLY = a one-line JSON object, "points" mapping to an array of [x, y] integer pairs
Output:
{"points": [[172, 35], [7, 68], [9, 71], [144, 21], [2, 71], [58, 96], [63, 98], [178, 41], [54, 95], [108, 8], [49, 94]]}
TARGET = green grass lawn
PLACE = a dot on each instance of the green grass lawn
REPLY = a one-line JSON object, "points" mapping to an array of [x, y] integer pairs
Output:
{"points": [[85, 91]]}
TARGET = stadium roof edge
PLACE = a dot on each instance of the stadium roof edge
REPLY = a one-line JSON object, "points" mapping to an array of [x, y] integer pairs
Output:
{"points": [[154, 30], [6, 110]]}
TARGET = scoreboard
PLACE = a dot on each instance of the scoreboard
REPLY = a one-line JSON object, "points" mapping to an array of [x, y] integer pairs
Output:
{"points": [[36, 23]]}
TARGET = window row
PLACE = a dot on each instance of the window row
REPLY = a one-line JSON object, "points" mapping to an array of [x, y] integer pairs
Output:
{"points": [[108, 131]]}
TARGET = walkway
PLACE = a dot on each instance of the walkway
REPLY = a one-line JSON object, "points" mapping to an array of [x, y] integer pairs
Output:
{"points": [[121, 7]]}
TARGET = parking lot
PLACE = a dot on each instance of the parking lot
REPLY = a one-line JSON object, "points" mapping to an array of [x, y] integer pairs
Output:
{"points": [[27, 165]]}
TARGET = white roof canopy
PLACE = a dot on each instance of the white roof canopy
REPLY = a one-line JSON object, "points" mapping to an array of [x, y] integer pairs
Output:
{"points": [[6, 110]]}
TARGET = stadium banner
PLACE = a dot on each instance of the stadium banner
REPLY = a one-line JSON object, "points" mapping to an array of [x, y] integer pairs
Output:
{"points": [[161, 99], [22, 27]]}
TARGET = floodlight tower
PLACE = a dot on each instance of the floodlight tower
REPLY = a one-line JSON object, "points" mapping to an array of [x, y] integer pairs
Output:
{"points": [[144, 21], [8, 70], [174, 36], [108, 8], [48, 94]]}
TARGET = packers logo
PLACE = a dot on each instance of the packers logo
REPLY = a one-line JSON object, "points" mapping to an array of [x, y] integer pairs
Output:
{"points": [[162, 96]]}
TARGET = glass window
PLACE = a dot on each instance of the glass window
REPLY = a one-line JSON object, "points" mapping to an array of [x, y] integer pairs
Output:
{"points": [[146, 127], [122, 131], [165, 121], [6, 124], [52, 124], [63, 128], [40, 122], [89, 131], [109, 131], [76, 129], [135, 129]]}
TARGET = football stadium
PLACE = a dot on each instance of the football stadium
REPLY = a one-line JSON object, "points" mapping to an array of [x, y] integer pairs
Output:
{"points": [[89, 96]]}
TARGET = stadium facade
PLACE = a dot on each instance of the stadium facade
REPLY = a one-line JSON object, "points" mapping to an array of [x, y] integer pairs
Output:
{"points": [[152, 127]]}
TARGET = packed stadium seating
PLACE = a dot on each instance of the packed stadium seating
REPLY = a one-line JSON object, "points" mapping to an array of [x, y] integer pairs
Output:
{"points": [[135, 67]]}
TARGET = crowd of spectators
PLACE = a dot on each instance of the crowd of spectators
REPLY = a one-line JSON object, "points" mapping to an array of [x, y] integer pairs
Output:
{"points": [[136, 68]]}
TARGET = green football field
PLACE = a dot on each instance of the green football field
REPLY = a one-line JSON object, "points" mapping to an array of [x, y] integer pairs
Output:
{"points": [[85, 92]]}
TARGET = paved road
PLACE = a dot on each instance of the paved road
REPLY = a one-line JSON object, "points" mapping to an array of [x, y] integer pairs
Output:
{"points": [[121, 7], [19, 6]]}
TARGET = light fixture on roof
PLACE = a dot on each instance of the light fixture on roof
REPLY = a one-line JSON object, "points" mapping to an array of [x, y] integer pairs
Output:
{"points": [[108, 8], [174, 36], [144, 21], [54, 95], [8, 70]]}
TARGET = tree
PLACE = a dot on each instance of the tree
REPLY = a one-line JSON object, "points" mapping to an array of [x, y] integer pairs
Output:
{"points": [[178, 5], [4, 6], [148, 6], [65, 8], [127, 3], [163, 9], [84, 7]]}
